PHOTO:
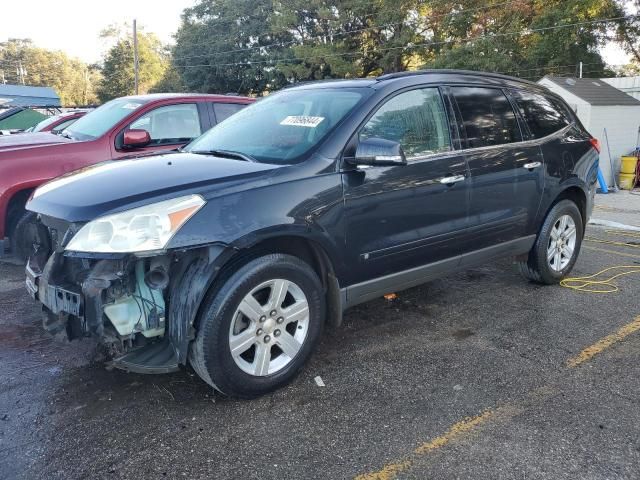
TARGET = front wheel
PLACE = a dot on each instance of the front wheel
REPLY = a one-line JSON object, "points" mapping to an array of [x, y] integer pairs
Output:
{"points": [[24, 236], [557, 246], [259, 328]]}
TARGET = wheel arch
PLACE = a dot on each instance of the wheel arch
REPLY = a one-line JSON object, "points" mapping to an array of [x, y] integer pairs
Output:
{"points": [[308, 248], [576, 194], [13, 205], [206, 269], [569, 191]]}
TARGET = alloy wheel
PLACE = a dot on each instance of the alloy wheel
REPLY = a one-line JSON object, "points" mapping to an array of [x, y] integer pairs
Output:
{"points": [[562, 243], [269, 327]]}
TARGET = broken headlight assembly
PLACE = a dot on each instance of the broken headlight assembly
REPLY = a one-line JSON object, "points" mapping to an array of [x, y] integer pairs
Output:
{"points": [[142, 229]]}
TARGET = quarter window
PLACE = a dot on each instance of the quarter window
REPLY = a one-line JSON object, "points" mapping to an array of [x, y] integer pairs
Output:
{"points": [[415, 119], [541, 115], [170, 124], [487, 116]]}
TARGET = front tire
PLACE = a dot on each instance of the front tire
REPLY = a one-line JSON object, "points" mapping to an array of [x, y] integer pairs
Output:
{"points": [[24, 236], [557, 246], [259, 327]]}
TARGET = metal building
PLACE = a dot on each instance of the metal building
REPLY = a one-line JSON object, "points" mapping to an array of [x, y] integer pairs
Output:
{"points": [[22, 95]]}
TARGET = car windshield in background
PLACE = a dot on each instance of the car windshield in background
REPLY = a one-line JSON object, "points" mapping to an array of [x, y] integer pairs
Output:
{"points": [[282, 128], [44, 123], [98, 122]]}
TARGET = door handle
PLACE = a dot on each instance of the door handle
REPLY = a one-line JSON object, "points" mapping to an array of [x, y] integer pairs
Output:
{"points": [[532, 165], [451, 180]]}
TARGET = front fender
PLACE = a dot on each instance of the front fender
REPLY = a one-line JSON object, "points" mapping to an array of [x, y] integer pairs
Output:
{"points": [[310, 208]]}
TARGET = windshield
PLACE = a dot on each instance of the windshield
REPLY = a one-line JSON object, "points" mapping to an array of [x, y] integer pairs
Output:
{"points": [[96, 123], [282, 128], [44, 123]]}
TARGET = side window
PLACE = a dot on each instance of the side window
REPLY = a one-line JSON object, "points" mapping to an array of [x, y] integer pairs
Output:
{"points": [[416, 119], [170, 124], [487, 116], [542, 116], [225, 110]]}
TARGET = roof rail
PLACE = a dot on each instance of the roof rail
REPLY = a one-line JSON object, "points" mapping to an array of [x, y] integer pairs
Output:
{"points": [[390, 76]]}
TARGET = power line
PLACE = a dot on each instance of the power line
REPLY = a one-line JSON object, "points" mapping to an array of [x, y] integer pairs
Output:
{"points": [[338, 34], [413, 46]]}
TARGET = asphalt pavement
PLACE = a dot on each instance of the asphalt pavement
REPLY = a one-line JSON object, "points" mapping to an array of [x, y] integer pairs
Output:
{"points": [[477, 375]]}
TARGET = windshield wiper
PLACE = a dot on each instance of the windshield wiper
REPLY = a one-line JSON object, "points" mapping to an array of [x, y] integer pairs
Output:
{"points": [[226, 153], [65, 134]]}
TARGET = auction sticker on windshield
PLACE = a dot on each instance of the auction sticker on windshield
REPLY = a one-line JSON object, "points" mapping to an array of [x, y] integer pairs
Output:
{"points": [[302, 121]]}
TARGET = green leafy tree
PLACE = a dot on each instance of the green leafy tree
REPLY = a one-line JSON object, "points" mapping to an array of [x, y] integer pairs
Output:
{"points": [[74, 81], [529, 38], [256, 46], [118, 70], [251, 46]]}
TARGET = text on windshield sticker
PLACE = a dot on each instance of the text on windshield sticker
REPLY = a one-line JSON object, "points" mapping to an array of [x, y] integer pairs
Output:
{"points": [[302, 121]]}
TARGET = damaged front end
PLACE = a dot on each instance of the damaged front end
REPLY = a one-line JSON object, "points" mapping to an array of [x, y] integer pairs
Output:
{"points": [[124, 300]]}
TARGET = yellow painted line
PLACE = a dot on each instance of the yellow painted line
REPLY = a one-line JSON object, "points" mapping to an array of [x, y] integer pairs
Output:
{"points": [[457, 430], [615, 252], [454, 432], [598, 347], [387, 472]]}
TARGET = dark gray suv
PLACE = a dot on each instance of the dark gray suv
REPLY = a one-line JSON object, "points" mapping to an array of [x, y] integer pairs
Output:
{"points": [[233, 253]]}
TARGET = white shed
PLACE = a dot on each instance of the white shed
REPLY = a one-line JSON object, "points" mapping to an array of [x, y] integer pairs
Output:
{"points": [[629, 85], [599, 106]]}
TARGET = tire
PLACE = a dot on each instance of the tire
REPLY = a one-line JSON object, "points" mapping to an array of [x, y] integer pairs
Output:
{"points": [[221, 322], [539, 267], [23, 235]]}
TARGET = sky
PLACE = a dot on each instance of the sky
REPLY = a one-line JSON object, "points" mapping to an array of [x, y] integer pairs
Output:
{"points": [[74, 26]]}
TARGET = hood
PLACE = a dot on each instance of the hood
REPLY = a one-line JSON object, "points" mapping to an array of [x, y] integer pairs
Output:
{"points": [[119, 185], [31, 140]]}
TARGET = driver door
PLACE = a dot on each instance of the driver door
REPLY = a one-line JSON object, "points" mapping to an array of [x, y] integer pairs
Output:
{"points": [[169, 126], [402, 217]]}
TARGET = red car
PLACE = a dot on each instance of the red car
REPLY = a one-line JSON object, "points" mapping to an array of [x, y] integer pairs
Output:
{"points": [[57, 123], [124, 127]]}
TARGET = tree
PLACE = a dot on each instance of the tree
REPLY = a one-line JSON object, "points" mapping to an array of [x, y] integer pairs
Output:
{"points": [[255, 46], [73, 80], [528, 38], [219, 46], [118, 71]]}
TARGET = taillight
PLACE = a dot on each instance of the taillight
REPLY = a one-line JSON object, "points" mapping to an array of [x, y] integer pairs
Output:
{"points": [[595, 143]]}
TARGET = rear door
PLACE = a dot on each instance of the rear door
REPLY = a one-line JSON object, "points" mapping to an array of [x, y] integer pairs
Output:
{"points": [[562, 145], [506, 171], [402, 217]]}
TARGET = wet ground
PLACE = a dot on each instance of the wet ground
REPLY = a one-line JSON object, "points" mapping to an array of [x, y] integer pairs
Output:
{"points": [[479, 375]]}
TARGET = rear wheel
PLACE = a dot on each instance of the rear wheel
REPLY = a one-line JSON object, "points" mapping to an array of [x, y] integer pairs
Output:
{"points": [[260, 327], [557, 246]]}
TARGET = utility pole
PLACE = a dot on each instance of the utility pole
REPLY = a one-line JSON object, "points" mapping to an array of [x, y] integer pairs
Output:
{"points": [[21, 72], [86, 86], [580, 69], [136, 63]]}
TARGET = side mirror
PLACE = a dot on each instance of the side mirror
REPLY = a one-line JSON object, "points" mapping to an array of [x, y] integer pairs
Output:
{"points": [[136, 138], [379, 152]]}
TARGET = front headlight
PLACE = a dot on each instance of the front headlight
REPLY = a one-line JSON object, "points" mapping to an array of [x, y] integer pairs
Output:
{"points": [[142, 229]]}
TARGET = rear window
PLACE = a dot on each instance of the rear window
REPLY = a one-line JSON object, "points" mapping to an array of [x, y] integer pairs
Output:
{"points": [[543, 117], [487, 116]]}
